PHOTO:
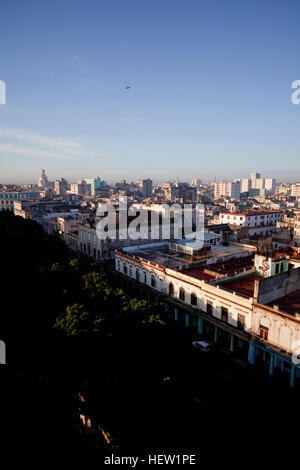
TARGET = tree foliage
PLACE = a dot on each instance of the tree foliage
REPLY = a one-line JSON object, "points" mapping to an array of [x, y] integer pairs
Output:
{"points": [[57, 289]]}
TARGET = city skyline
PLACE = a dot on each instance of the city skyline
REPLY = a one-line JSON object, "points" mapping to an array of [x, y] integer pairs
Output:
{"points": [[150, 229], [153, 91]]}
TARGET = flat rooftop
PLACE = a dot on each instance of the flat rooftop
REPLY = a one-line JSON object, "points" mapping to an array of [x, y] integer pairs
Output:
{"points": [[199, 273], [243, 285], [233, 265], [289, 303], [160, 253], [250, 213]]}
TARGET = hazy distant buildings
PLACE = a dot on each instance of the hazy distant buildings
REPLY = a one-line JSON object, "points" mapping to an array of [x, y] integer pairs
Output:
{"points": [[95, 184], [7, 198], [245, 185], [81, 188], [43, 180], [185, 192], [170, 191], [146, 187], [61, 187], [270, 185], [254, 178], [258, 186], [296, 190], [226, 189], [260, 183], [196, 182]]}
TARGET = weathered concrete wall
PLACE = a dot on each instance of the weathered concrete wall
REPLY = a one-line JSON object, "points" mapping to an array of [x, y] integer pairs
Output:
{"points": [[274, 287]]}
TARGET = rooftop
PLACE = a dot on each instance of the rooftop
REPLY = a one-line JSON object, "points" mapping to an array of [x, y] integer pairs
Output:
{"points": [[249, 213], [289, 303], [161, 254], [233, 265], [243, 285], [200, 273]]}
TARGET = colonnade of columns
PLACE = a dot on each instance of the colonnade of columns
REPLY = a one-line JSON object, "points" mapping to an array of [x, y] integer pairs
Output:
{"points": [[251, 350], [273, 363]]}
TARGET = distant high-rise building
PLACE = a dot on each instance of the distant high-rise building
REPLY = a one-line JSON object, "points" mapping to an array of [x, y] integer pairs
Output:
{"points": [[61, 186], [226, 189], [245, 185], [266, 184], [170, 190], [254, 177], [270, 185], [146, 187], [43, 180], [196, 182], [95, 184], [260, 183], [81, 188]]}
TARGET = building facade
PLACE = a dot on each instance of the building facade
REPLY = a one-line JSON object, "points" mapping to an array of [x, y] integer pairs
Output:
{"points": [[95, 183], [250, 323], [226, 189], [61, 187], [257, 223], [7, 199]]}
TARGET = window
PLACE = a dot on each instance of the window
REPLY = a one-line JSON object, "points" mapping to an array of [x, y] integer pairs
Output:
{"points": [[171, 289], [209, 308], [181, 294], [241, 322], [193, 299], [145, 278], [137, 275], [125, 269], [224, 314], [263, 332], [153, 281]]}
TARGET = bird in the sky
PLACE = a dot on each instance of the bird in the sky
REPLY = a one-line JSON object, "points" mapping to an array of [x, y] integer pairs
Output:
{"points": [[128, 88]]}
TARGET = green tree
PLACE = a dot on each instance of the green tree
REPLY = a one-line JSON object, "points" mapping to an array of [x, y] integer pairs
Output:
{"points": [[76, 320]]}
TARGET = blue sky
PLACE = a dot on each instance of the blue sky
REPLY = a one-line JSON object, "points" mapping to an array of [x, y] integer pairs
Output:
{"points": [[210, 89]]}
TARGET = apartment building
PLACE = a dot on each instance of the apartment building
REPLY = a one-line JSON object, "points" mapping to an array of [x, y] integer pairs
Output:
{"points": [[226, 189], [226, 301], [245, 185], [146, 187], [256, 222], [81, 188], [7, 198], [297, 228], [61, 187], [296, 190]]}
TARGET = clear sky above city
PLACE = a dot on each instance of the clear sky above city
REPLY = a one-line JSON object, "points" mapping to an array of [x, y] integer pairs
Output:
{"points": [[210, 89]]}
